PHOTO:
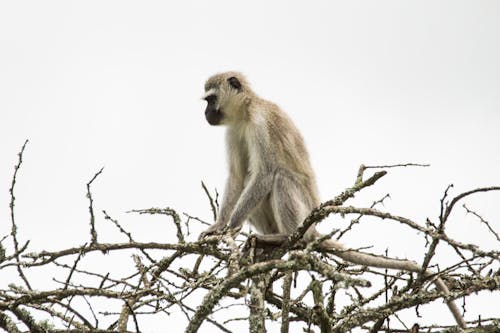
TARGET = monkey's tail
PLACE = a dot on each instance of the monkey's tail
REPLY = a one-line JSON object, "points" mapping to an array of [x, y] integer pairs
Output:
{"points": [[372, 260]]}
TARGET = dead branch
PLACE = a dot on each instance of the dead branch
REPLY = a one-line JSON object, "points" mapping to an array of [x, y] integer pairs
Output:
{"points": [[297, 284]]}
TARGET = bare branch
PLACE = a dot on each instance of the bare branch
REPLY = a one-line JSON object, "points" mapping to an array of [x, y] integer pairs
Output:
{"points": [[396, 165], [93, 233], [12, 216], [466, 194], [337, 201], [164, 211], [212, 202], [285, 308], [297, 261], [482, 221], [165, 279]]}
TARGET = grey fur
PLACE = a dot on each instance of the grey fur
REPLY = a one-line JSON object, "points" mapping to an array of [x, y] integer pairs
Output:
{"points": [[271, 182]]}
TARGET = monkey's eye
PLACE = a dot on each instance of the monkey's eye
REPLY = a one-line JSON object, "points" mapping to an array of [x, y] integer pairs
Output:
{"points": [[211, 99]]}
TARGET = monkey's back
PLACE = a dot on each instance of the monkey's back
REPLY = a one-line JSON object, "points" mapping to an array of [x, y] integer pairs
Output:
{"points": [[290, 151]]}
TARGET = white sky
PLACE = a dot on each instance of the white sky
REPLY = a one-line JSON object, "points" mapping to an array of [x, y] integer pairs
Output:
{"points": [[118, 84]]}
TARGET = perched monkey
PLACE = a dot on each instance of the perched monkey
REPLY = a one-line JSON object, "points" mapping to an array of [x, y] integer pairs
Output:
{"points": [[271, 182]]}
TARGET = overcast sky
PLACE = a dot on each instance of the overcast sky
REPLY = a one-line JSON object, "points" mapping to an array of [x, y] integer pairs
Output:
{"points": [[118, 84]]}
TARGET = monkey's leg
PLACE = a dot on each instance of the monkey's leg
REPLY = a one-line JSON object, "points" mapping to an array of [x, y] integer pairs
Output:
{"points": [[290, 203]]}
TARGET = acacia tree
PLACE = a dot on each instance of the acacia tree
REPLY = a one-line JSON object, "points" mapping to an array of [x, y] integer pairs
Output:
{"points": [[292, 286]]}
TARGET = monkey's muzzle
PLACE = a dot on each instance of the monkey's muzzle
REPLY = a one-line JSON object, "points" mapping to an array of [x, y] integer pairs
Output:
{"points": [[213, 116]]}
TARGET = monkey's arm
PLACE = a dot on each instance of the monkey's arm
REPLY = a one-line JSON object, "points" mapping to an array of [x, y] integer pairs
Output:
{"points": [[259, 179], [232, 191], [236, 207], [257, 188]]}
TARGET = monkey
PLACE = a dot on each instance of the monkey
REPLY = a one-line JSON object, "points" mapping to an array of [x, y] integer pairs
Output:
{"points": [[271, 182]]}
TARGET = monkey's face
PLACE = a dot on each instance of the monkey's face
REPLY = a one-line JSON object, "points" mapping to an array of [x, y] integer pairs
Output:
{"points": [[213, 112], [223, 100]]}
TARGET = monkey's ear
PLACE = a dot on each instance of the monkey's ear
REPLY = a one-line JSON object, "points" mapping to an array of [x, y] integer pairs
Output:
{"points": [[235, 83]]}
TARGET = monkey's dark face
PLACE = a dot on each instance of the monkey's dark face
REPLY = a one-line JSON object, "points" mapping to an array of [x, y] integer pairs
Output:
{"points": [[213, 113], [221, 94]]}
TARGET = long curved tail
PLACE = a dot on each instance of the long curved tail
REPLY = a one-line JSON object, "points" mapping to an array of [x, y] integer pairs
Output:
{"points": [[371, 260]]}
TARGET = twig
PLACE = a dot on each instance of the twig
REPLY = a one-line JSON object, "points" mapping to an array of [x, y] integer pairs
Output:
{"points": [[115, 222], [397, 165], [319, 309], [74, 267], [7, 324], [257, 318], [213, 207], [12, 216], [321, 214], [315, 215], [285, 308], [93, 232], [465, 194], [482, 220], [131, 310], [126, 233], [220, 267], [164, 211], [27, 319], [297, 261], [357, 219]]}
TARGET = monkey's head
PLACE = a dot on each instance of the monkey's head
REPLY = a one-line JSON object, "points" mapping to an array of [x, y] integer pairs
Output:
{"points": [[226, 95]]}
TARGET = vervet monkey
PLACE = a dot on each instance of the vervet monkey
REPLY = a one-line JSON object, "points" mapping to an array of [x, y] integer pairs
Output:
{"points": [[271, 182]]}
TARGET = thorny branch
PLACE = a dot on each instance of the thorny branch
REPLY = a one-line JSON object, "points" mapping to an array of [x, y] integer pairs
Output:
{"points": [[296, 285]]}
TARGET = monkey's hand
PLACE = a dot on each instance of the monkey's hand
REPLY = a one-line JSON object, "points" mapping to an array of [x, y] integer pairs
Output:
{"points": [[220, 229], [214, 229]]}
